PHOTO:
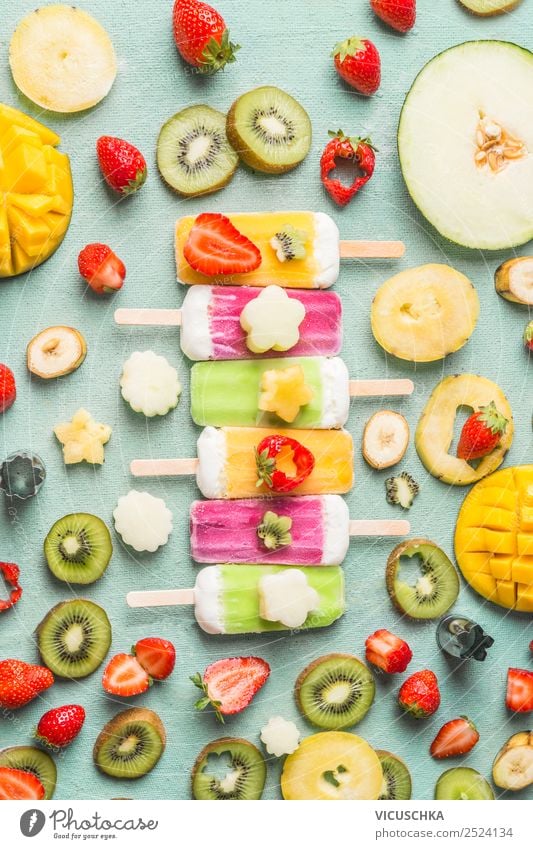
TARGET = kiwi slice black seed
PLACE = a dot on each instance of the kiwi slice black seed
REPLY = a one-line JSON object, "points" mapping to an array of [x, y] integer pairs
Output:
{"points": [[462, 784], [335, 691], [229, 768], [436, 586], [31, 759], [130, 744], [74, 638], [194, 155], [78, 548], [396, 777], [269, 129]]}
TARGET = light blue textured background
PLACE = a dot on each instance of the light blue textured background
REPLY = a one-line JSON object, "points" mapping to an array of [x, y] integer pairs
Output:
{"points": [[286, 44]]}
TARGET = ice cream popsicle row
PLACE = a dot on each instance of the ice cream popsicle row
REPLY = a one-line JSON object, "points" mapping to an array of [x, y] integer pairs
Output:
{"points": [[236, 599], [212, 318], [300, 531], [227, 467], [304, 392], [315, 267]]}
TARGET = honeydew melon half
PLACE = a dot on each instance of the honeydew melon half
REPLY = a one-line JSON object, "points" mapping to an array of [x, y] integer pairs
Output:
{"points": [[486, 8], [478, 82]]}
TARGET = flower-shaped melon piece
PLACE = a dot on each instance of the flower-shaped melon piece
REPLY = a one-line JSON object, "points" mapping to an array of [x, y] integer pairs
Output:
{"points": [[286, 597], [83, 438], [280, 736], [284, 391], [143, 521], [150, 384], [272, 321]]}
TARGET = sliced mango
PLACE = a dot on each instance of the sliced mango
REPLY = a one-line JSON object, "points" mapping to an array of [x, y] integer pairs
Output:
{"points": [[494, 538], [36, 192]]}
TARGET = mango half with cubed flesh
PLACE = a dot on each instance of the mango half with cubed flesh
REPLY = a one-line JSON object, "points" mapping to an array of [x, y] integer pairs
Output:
{"points": [[435, 429], [36, 193], [494, 538]]}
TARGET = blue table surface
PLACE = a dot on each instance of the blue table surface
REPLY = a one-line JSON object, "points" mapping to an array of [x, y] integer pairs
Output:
{"points": [[288, 45]]}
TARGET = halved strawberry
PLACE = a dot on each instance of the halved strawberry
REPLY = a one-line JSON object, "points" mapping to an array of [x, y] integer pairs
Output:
{"points": [[519, 690], [215, 247], [124, 676], [387, 651], [156, 655], [456, 737], [16, 784], [229, 685]]}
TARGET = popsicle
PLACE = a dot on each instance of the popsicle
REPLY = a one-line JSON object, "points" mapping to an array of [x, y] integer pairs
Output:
{"points": [[210, 321], [318, 268], [305, 392], [226, 466], [234, 599], [301, 531]]}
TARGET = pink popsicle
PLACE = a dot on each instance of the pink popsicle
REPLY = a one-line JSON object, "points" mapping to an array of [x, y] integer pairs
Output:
{"points": [[211, 329], [228, 533]]}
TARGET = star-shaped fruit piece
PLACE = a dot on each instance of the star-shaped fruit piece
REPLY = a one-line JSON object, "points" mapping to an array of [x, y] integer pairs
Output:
{"points": [[284, 391], [272, 321], [83, 439]]}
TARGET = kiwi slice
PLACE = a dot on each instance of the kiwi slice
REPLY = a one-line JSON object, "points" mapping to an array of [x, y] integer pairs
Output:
{"points": [[397, 783], [463, 783], [335, 691], [78, 548], [238, 771], [437, 584], [31, 759], [130, 744], [74, 637], [194, 156], [269, 129]]}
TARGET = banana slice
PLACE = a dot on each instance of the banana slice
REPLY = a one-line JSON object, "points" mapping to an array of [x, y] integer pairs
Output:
{"points": [[514, 280], [55, 352], [385, 439], [62, 59], [513, 765]]}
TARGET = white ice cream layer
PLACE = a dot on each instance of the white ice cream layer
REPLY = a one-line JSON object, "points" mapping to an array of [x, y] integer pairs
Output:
{"points": [[211, 472], [336, 519], [196, 341], [327, 250], [207, 606], [335, 392]]}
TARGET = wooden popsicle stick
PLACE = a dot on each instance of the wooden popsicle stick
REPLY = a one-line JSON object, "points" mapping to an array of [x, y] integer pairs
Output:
{"points": [[161, 318], [369, 388], [161, 468], [354, 249], [379, 527], [160, 598]]}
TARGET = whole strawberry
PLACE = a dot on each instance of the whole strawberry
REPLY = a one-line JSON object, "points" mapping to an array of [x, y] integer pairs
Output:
{"points": [[201, 36], [398, 14], [359, 151], [419, 695], [528, 337], [123, 166], [8, 388], [357, 61], [58, 727], [101, 268], [20, 682], [481, 433]]}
